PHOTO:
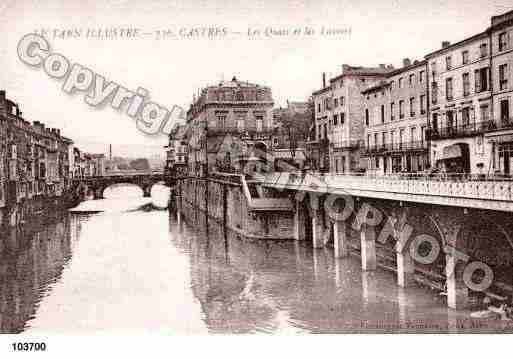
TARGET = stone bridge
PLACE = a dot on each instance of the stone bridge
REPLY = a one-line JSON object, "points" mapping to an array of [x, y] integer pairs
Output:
{"points": [[465, 222], [97, 185]]}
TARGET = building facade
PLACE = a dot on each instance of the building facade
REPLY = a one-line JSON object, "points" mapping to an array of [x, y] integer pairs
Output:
{"points": [[395, 116], [230, 125], [501, 139], [339, 119], [470, 121]]}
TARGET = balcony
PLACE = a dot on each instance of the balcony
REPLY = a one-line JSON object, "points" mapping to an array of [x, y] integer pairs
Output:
{"points": [[251, 132], [348, 144], [468, 130], [397, 147]]}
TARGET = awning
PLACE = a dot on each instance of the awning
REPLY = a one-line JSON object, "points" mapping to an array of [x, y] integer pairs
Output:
{"points": [[452, 151]]}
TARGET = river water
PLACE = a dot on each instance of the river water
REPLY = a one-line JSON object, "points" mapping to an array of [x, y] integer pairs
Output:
{"points": [[123, 264]]}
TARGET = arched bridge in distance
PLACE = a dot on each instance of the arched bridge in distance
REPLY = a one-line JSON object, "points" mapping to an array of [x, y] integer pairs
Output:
{"points": [[96, 185]]}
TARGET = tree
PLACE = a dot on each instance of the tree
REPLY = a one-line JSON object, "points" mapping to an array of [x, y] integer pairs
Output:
{"points": [[295, 126], [140, 164]]}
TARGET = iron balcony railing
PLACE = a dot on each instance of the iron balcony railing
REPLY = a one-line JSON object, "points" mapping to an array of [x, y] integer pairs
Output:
{"points": [[248, 131], [466, 130], [347, 144], [397, 147]]}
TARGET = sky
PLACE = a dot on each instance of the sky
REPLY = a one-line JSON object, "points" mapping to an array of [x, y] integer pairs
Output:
{"points": [[172, 69]]}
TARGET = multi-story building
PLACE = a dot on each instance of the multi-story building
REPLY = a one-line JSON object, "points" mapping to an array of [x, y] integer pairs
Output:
{"points": [[34, 159], [339, 120], [230, 125], [319, 146], [176, 159], [501, 139], [461, 104], [395, 115]]}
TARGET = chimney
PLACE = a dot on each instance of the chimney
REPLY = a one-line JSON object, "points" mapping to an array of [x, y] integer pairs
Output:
{"points": [[2, 96], [445, 44], [406, 62], [58, 131], [323, 79], [17, 110], [345, 68]]}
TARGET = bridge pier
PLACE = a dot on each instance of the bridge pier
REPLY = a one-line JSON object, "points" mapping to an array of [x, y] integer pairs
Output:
{"points": [[340, 239], [457, 290], [317, 229], [299, 222], [368, 247], [405, 268], [98, 193], [147, 191]]}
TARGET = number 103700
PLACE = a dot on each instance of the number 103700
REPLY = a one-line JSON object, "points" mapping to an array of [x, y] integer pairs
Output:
{"points": [[29, 347]]}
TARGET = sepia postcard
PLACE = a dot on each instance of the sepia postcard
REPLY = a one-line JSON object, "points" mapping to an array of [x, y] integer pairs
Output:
{"points": [[176, 168]]}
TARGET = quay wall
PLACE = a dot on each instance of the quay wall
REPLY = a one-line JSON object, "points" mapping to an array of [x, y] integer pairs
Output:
{"points": [[226, 202]]}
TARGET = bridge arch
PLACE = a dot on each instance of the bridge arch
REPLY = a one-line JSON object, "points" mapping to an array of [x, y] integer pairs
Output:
{"points": [[483, 239]]}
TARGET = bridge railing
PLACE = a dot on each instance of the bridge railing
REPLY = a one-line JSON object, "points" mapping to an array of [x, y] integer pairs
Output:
{"points": [[439, 185]]}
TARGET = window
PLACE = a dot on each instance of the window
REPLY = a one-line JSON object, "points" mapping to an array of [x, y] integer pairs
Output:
{"points": [[481, 79], [433, 68], [505, 111], [485, 113], [240, 125], [503, 76], [422, 104], [421, 76], [392, 84], [335, 120], [367, 117], [400, 82], [412, 106], [382, 113], [342, 118], [369, 140], [319, 107], [448, 88], [319, 132], [450, 119], [413, 134], [464, 57], [392, 110], [465, 116], [376, 142], [434, 122], [466, 84], [336, 102], [392, 136], [221, 121], [259, 123], [483, 50], [342, 101], [275, 141], [411, 79], [503, 41], [448, 62], [401, 109], [384, 138], [434, 93]]}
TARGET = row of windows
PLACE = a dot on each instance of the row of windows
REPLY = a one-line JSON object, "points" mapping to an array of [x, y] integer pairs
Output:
{"points": [[222, 122], [326, 103], [504, 44], [411, 80], [383, 138], [412, 107]]}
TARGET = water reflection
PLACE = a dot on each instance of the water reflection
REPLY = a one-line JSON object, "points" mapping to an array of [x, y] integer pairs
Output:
{"points": [[247, 286], [131, 267]]}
